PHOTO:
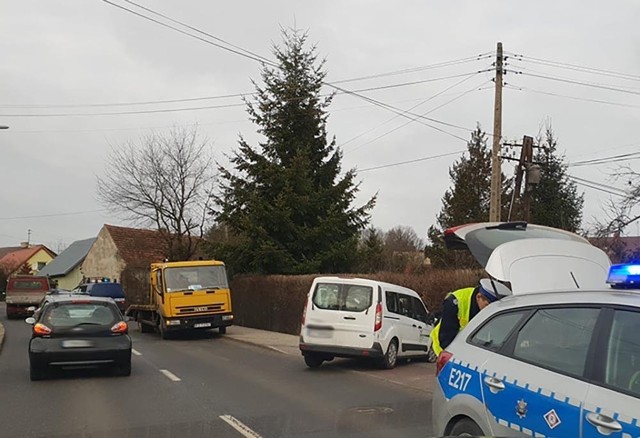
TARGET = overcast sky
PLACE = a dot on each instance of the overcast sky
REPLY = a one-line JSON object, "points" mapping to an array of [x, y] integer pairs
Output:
{"points": [[85, 52]]}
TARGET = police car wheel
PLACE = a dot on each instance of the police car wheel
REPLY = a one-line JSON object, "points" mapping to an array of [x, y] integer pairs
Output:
{"points": [[390, 358], [466, 427], [313, 360]]}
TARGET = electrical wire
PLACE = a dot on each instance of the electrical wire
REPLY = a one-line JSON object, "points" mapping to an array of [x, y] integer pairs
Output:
{"points": [[602, 186], [575, 67], [401, 163], [52, 215], [412, 119], [584, 84], [583, 99]]}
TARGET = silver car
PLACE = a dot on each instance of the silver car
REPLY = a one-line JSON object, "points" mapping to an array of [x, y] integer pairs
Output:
{"points": [[560, 357]]}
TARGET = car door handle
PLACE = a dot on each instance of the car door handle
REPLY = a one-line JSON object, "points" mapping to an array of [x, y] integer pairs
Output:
{"points": [[604, 424], [495, 385], [350, 317]]}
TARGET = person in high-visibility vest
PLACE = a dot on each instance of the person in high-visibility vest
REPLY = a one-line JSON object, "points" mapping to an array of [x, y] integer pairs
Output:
{"points": [[460, 307]]}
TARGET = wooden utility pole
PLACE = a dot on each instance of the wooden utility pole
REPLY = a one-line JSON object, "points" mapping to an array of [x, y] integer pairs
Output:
{"points": [[496, 169], [527, 151]]}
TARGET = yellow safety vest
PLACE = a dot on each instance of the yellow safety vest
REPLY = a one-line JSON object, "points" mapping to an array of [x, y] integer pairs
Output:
{"points": [[464, 297]]}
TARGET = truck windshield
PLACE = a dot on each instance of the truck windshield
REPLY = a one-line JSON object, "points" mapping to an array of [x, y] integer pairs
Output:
{"points": [[195, 277]]}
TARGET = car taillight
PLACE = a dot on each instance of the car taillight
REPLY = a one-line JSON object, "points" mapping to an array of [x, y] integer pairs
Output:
{"points": [[120, 327], [304, 313], [378, 325], [41, 330], [443, 358]]}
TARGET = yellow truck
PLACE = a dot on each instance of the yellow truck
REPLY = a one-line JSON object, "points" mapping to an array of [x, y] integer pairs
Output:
{"points": [[187, 295]]}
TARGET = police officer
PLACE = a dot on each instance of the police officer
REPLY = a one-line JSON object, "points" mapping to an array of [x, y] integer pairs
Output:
{"points": [[461, 306]]}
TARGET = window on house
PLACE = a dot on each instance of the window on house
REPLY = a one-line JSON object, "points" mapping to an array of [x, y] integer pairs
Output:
{"points": [[41, 265]]}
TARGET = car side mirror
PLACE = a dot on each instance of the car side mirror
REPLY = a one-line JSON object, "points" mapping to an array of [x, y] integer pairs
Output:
{"points": [[31, 320], [31, 309]]}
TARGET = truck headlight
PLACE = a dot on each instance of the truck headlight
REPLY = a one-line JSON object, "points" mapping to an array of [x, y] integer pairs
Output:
{"points": [[227, 317], [173, 322]]}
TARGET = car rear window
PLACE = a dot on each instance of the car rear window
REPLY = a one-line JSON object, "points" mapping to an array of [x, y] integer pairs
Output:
{"points": [[73, 314], [110, 290], [346, 297], [29, 285]]}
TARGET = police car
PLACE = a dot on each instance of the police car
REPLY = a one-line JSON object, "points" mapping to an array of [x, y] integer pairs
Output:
{"points": [[559, 357]]}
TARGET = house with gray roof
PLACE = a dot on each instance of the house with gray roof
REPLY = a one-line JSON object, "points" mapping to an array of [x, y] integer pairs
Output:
{"points": [[65, 269]]}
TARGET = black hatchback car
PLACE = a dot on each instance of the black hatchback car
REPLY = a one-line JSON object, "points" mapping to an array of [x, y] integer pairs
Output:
{"points": [[74, 331]]}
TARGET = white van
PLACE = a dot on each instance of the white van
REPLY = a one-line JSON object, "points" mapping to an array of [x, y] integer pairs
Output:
{"points": [[355, 317]]}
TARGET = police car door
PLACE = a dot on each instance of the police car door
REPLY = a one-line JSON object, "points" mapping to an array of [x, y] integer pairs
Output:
{"points": [[535, 384], [612, 405]]}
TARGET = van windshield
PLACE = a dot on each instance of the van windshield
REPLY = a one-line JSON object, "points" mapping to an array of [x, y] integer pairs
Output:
{"points": [[347, 297]]}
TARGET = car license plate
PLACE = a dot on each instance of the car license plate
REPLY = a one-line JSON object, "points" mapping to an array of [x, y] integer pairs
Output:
{"points": [[76, 343], [199, 309], [202, 324]]}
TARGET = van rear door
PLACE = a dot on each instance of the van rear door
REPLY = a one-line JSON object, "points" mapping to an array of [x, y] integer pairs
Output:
{"points": [[341, 314]]}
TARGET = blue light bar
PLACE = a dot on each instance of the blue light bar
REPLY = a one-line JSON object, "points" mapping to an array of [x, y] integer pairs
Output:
{"points": [[624, 275]]}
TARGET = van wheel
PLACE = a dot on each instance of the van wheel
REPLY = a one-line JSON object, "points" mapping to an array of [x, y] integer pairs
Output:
{"points": [[390, 358], [466, 427], [222, 330], [313, 360], [36, 373]]}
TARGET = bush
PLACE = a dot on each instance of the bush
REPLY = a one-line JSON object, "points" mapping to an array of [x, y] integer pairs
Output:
{"points": [[276, 302]]}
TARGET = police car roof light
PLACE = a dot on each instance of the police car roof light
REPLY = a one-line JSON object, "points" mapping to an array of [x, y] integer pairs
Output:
{"points": [[624, 275]]}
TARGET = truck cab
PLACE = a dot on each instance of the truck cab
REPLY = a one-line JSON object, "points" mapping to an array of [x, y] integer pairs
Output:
{"points": [[24, 292]]}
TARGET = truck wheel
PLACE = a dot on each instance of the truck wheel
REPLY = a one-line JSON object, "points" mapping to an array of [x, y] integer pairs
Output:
{"points": [[145, 328], [162, 328], [222, 330], [313, 360]]}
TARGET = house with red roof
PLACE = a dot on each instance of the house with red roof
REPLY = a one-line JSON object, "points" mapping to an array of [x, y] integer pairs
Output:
{"points": [[125, 254], [25, 258]]}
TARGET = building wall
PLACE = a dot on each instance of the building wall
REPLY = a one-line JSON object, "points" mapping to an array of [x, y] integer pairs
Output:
{"points": [[71, 280], [40, 256], [103, 259]]}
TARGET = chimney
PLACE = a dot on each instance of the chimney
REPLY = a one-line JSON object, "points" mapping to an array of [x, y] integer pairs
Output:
{"points": [[24, 244]]}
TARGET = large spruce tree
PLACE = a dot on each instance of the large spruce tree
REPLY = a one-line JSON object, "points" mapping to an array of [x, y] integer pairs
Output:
{"points": [[285, 201], [467, 200]]}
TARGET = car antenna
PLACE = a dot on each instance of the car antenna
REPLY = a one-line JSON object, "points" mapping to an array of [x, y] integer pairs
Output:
{"points": [[574, 279]]}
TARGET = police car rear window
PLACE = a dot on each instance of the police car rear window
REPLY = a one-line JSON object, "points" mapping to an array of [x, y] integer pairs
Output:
{"points": [[346, 297], [110, 290], [494, 333]]}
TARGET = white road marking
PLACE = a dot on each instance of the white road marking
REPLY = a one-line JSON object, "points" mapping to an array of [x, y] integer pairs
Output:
{"points": [[136, 352], [170, 375], [244, 430]]}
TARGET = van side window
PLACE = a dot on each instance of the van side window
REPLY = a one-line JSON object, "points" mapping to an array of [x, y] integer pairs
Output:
{"points": [[405, 305], [419, 311], [392, 301]]}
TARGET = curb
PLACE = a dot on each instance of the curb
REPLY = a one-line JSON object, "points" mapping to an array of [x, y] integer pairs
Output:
{"points": [[1, 335], [255, 344]]}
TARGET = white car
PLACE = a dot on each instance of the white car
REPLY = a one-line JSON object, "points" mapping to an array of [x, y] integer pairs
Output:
{"points": [[560, 357], [354, 317]]}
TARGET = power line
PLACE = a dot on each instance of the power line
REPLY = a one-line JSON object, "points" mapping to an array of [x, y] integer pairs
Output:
{"points": [[52, 215], [597, 188], [600, 185], [576, 67], [584, 84], [605, 160], [411, 161], [584, 99], [413, 118], [237, 52]]}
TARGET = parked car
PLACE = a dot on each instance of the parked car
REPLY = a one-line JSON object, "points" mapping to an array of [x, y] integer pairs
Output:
{"points": [[560, 357], [73, 331], [104, 287], [354, 317]]}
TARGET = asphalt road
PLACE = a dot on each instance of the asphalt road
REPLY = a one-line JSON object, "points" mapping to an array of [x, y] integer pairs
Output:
{"points": [[203, 386]]}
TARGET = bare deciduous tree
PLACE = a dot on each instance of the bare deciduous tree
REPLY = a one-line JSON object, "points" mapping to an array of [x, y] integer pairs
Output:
{"points": [[165, 181], [402, 238]]}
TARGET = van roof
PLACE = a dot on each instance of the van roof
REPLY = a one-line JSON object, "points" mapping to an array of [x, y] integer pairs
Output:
{"points": [[366, 281]]}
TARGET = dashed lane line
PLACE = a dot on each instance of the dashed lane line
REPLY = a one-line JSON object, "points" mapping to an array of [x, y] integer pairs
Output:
{"points": [[238, 425], [171, 376]]}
